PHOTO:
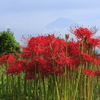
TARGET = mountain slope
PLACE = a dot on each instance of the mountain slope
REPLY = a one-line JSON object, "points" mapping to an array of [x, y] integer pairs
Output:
{"points": [[60, 23]]}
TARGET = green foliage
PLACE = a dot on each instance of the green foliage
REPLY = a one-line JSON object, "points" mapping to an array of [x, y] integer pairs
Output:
{"points": [[8, 44]]}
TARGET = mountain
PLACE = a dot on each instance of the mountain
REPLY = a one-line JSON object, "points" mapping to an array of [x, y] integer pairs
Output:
{"points": [[61, 23]]}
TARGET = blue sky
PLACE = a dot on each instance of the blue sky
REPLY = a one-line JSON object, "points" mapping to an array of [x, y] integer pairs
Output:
{"points": [[30, 16]]}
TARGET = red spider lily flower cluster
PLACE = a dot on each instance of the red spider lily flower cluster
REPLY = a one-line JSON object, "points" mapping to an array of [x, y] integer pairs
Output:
{"points": [[7, 58], [87, 57], [82, 33], [46, 55], [91, 72]]}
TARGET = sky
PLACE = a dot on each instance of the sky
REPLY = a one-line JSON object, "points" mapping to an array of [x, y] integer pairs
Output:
{"points": [[26, 17]]}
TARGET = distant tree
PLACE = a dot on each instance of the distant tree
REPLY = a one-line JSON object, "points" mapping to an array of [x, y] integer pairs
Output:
{"points": [[8, 44]]}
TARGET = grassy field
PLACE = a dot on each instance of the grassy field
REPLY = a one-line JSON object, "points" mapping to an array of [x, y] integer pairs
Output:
{"points": [[14, 87]]}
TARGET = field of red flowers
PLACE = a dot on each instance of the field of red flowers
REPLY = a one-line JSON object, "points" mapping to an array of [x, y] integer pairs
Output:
{"points": [[53, 68]]}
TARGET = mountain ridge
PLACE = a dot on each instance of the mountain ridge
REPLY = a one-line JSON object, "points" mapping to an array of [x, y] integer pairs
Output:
{"points": [[60, 23]]}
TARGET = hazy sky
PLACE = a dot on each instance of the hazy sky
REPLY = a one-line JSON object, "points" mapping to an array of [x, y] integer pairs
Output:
{"points": [[30, 16]]}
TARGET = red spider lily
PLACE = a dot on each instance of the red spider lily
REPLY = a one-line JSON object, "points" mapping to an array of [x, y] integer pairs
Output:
{"points": [[32, 50], [39, 65], [89, 72], [54, 48], [58, 45], [97, 73], [97, 62], [17, 67], [73, 48], [68, 62], [87, 57], [41, 40], [9, 58], [43, 52], [47, 70], [58, 71], [48, 55], [72, 67], [82, 33], [37, 45], [92, 42], [62, 61], [41, 60], [75, 60]]}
